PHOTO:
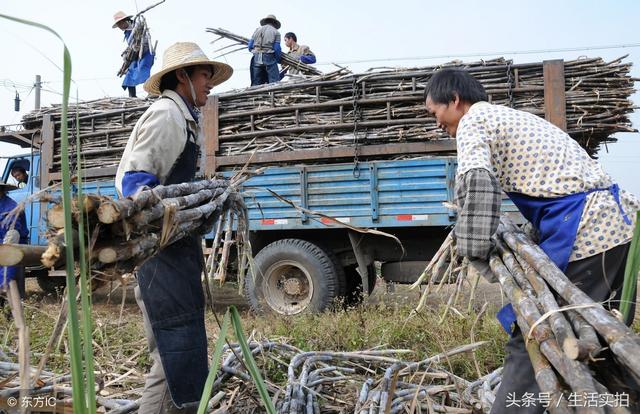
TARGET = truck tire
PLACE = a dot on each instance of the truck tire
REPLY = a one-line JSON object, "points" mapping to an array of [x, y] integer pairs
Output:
{"points": [[50, 285], [292, 276]]}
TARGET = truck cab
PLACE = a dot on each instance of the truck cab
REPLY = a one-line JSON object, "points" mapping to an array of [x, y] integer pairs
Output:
{"points": [[31, 164]]}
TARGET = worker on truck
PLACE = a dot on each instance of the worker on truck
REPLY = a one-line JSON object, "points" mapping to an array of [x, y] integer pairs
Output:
{"points": [[19, 174], [584, 220], [139, 69], [301, 53], [265, 47], [164, 149]]}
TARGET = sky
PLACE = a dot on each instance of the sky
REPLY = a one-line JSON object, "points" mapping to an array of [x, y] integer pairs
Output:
{"points": [[357, 34]]}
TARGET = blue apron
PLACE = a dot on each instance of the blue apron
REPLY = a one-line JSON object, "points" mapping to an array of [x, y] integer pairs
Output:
{"points": [[140, 69], [172, 292], [557, 221]]}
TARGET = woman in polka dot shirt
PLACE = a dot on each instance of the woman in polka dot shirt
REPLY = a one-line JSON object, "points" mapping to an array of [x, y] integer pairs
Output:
{"points": [[584, 221]]}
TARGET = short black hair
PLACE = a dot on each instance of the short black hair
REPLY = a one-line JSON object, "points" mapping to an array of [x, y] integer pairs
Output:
{"points": [[18, 168], [170, 80], [292, 36], [445, 84]]}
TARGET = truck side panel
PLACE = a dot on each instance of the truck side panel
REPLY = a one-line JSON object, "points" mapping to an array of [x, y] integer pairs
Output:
{"points": [[378, 194]]}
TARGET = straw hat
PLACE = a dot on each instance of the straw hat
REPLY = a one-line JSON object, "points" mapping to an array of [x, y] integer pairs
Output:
{"points": [[270, 18], [7, 187], [119, 16], [183, 54]]}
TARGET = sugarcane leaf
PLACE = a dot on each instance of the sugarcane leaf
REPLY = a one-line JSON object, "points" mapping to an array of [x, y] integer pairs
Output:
{"points": [[85, 287], [78, 389], [215, 363], [631, 272], [250, 362]]}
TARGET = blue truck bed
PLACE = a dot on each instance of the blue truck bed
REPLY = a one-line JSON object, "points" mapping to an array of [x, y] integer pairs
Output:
{"points": [[406, 193]]}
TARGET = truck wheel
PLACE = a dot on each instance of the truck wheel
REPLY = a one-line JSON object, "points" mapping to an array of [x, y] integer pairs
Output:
{"points": [[292, 276], [354, 295], [49, 284]]}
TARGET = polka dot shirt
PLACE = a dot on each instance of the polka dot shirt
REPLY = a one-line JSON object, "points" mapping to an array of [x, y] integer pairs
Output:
{"points": [[531, 156]]}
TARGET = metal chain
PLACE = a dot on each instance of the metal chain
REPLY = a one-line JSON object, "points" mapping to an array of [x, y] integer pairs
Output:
{"points": [[356, 117], [509, 85]]}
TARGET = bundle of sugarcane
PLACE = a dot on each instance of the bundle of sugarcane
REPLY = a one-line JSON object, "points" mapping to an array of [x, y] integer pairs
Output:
{"points": [[242, 42], [123, 233], [565, 330]]}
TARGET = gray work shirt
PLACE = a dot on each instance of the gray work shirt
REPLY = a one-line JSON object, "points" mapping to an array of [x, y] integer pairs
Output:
{"points": [[263, 39]]}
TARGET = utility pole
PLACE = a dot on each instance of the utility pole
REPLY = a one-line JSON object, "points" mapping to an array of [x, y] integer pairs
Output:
{"points": [[37, 86]]}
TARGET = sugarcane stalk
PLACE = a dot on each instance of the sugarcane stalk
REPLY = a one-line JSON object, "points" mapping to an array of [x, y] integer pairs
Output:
{"points": [[186, 202], [20, 254], [226, 248], [115, 210], [621, 339], [547, 379], [530, 281], [588, 342], [574, 373], [127, 250], [55, 250]]}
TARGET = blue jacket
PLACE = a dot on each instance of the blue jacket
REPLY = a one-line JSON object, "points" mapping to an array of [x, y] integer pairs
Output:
{"points": [[6, 205]]}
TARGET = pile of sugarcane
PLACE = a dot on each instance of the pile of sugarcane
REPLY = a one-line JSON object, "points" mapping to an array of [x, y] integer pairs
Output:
{"points": [[241, 42], [104, 126], [370, 381], [347, 110], [387, 106], [564, 329], [123, 233]]}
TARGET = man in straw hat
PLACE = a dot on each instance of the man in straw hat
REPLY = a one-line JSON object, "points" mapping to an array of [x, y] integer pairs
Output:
{"points": [[265, 46], [7, 204], [164, 149], [139, 69]]}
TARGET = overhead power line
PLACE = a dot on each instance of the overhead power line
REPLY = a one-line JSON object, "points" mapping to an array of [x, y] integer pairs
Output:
{"points": [[508, 52]]}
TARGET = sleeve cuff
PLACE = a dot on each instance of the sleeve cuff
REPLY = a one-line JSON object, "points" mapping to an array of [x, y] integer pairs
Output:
{"points": [[133, 180]]}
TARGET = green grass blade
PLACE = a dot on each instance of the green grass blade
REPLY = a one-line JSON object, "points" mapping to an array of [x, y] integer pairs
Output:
{"points": [[85, 287], [77, 384], [213, 370], [250, 362], [631, 272]]}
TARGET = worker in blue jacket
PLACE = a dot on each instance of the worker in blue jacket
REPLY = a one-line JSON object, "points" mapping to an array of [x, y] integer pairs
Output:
{"points": [[266, 49], [140, 69], [7, 204]]}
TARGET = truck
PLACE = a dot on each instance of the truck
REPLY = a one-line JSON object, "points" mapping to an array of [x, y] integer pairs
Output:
{"points": [[312, 260], [319, 246]]}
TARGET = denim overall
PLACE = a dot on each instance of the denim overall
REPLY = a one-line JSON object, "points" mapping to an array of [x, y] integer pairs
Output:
{"points": [[171, 289], [557, 221]]}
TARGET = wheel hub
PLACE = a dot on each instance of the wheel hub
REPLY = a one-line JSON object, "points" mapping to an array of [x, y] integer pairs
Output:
{"points": [[292, 287], [288, 287]]}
